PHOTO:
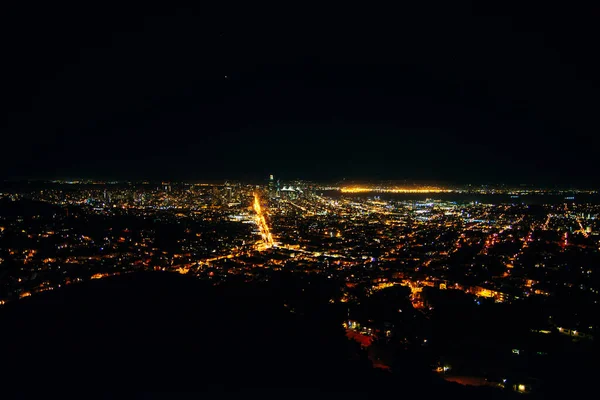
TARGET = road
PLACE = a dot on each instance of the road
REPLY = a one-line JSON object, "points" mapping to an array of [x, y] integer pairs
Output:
{"points": [[263, 227]]}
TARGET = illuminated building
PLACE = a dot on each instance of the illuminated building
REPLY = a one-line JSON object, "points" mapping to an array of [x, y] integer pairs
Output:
{"points": [[271, 186], [229, 194], [288, 192]]}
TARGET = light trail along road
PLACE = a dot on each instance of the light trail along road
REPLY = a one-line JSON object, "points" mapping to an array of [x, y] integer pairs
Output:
{"points": [[260, 220]]}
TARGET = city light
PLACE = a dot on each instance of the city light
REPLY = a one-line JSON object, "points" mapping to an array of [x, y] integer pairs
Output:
{"points": [[393, 261], [261, 222], [419, 190]]}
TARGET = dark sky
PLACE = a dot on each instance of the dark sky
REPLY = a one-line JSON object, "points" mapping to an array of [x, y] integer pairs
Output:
{"points": [[460, 92]]}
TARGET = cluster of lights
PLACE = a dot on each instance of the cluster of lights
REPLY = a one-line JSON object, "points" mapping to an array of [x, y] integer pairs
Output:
{"points": [[262, 223], [363, 189]]}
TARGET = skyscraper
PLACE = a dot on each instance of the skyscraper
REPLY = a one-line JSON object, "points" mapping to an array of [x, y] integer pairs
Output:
{"points": [[271, 186]]}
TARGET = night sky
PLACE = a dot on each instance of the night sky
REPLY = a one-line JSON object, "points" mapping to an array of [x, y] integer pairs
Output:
{"points": [[446, 92]]}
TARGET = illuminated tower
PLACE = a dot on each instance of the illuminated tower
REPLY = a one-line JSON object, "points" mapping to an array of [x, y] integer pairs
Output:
{"points": [[271, 186]]}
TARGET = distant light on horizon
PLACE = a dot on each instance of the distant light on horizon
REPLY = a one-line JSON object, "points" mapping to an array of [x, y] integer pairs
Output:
{"points": [[363, 189]]}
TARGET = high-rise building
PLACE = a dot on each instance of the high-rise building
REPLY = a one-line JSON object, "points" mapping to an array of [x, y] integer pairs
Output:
{"points": [[271, 186]]}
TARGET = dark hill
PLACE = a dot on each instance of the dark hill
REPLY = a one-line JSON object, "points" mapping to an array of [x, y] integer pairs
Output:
{"points": [[26, 208], [151, 331]]}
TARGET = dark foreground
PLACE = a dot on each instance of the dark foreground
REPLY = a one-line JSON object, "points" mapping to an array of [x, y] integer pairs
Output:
{"points": [[160, 331]]}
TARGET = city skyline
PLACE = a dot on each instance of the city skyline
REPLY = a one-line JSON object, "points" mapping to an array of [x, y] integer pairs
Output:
{"points": [[338, 183]]}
